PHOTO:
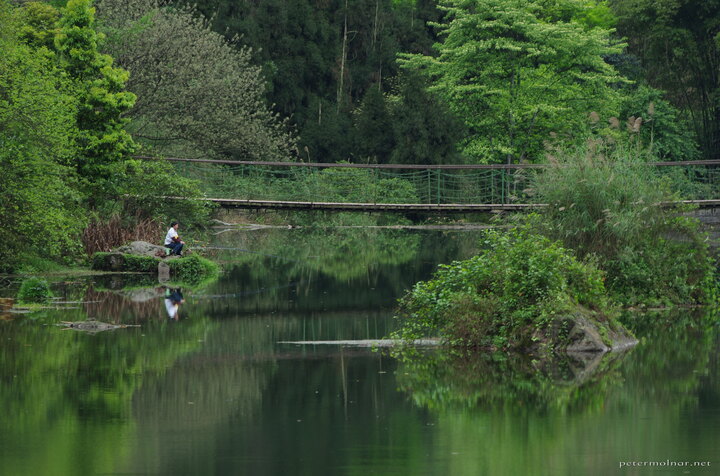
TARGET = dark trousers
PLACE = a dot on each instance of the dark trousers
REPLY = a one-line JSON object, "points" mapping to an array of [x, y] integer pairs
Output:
{"points": [[175, 247]]}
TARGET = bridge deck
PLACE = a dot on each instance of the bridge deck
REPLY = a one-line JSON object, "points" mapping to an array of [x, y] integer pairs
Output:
{"points": [[405, 207], [370, 207]]}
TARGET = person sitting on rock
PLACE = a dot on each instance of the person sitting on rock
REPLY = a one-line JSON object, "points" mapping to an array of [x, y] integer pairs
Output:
{"points": [[173, 241]]}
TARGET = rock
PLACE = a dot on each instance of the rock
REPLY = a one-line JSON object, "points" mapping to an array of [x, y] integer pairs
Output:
{"points": [[163, 272], [92, 326], [111, 262], [116, 261], [584, 336], [142, 248], [576, 333]]}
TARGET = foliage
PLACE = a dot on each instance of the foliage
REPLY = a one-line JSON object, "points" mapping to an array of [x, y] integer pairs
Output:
{"points": [[38, 27], [39, 209], [109, 261], [520, 74], [101, 141], [374, 127], [676, 42], [662, 130], [607, 203], [63, 144], [426, 132], [601, 200], [441, 381], [514, 294], [147, 188], [198, 93], [312, 83], [193, 270], [34, 290]]}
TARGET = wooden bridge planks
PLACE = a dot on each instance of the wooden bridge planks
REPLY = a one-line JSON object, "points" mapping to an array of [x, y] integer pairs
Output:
{"points": [[406, 207], [369, 207]]}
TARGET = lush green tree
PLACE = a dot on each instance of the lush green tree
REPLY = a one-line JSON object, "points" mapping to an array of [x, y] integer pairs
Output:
{"points": [[198, 93], [65, 150], [677, 43], [102, 143], [39, 210], [39, 24], [520, 74]]}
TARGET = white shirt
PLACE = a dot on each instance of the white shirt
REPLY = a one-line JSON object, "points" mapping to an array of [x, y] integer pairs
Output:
{"points": [[172, 308], [170, 235]]}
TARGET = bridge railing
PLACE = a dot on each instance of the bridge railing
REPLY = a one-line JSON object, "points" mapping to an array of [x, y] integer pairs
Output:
{"points": [[421, 184]]}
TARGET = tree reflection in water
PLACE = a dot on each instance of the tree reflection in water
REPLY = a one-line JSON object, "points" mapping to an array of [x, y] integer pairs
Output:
{"points": [[443, 380]]}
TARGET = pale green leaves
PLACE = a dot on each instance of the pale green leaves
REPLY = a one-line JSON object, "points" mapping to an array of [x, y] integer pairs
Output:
{"points": [[516, 76]]}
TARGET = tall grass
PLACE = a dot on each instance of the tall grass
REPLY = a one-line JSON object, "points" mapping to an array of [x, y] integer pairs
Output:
{"points": [[600, 201], [102, 235], [607, 205]]}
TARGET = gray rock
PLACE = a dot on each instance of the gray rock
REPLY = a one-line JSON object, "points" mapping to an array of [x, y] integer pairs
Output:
{"points": [[577, 333], [115, 262], [585, 337], [142, 248]]}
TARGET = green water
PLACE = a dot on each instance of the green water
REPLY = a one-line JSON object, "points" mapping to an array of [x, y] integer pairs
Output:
{"points": [[215, 393]]}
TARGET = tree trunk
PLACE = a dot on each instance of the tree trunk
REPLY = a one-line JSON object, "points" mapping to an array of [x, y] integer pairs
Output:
{"points": [[341, 83]]}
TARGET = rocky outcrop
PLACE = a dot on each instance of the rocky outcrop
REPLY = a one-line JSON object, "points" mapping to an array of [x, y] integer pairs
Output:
{"points": [[142, 248], [584, 332]]}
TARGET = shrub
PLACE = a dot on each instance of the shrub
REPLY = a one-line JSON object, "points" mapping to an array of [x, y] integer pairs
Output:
{"points": [[124, 262], [608, 204], [34, 290], [512, 295], [193, 270]]}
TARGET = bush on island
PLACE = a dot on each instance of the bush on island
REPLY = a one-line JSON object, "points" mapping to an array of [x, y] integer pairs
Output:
{"points": [[523, 292], [193, 269], [34, 291]]}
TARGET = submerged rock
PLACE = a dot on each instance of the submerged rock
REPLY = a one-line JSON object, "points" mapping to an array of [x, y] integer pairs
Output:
{"points": [[93, 326]]}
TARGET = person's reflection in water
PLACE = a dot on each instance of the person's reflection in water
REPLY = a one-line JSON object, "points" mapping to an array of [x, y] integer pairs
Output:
{"points": [[173, 299]]}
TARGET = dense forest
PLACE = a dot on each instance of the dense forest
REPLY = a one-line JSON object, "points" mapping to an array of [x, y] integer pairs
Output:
{"points": [[421, 81], [86, 87]]}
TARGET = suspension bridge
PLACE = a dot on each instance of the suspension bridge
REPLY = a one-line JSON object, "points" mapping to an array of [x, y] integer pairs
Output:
{"points": [[403, 188]]}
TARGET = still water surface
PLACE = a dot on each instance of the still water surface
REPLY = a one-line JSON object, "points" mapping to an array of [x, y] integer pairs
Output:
{"points": [[214, 392]]}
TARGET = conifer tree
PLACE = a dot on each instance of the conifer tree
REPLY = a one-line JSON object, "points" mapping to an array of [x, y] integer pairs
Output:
{"points": [[374, 128], [102, 143]]}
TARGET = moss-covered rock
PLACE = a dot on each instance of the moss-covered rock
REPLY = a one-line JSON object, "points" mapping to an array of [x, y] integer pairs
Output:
{"points": [[192, 270], [124, 262]]}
